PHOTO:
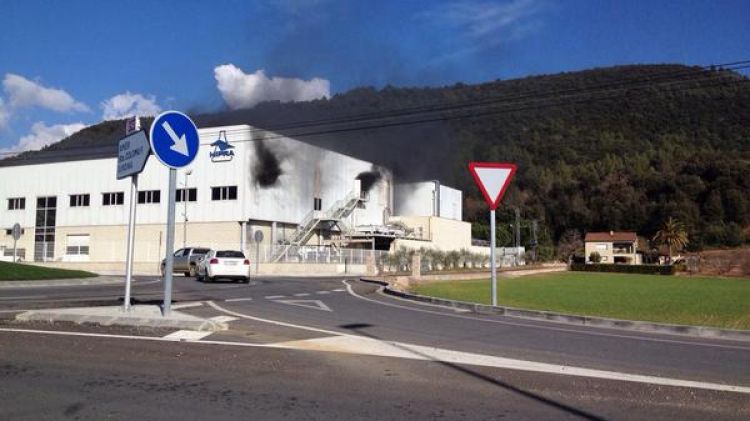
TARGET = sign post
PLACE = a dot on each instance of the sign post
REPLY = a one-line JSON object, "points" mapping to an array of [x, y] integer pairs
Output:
{"points": [[175, 142], [16, 231], [132, 154], [258, 236], [493, 179]]}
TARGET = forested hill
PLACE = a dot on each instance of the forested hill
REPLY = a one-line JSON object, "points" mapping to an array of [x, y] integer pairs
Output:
{"points": [[619, 148]]}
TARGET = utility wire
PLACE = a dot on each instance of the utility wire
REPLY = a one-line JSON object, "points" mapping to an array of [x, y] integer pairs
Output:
{"points": [[519, 100]]}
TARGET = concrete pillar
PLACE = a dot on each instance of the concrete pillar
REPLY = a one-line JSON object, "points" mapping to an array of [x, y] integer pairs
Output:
{"points": [[242, 236], [416, 265]]}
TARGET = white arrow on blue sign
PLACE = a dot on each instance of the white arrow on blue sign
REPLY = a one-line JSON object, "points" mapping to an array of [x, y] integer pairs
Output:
{"points": [[174, 139]]}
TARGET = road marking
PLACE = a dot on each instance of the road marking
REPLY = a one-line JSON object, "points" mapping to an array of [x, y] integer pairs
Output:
{"points": [[538, 326], [223, 319], [338, 290], [276, 322], [273, 297], [187, 305], [23, 297], [323, 292], [313, 304], [231, 300], [366, 346], [187, 335], [302, 294]]}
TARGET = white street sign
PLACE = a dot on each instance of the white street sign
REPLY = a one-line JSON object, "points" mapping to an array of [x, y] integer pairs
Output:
{"points": [[132, 155]]}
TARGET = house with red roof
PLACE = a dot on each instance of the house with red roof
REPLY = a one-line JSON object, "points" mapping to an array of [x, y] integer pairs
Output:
{"points": [[613, 247]]}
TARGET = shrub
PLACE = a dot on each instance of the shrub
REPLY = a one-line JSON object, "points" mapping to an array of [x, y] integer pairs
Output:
{"points": [[595, 257], [642, 269]]}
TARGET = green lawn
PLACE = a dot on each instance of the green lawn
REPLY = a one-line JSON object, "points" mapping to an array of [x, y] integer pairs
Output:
{"points": [[24, 272], [702, 301]]}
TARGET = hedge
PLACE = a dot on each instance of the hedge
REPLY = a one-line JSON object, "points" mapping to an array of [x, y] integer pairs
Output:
{"points": [[643, 269]]}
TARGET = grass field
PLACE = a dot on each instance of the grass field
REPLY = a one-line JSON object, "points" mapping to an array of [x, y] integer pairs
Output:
{"points": [[701, 301], [24, 272]]}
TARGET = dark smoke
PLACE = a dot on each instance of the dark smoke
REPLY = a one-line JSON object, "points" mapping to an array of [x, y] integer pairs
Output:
{"points": [[267, 166], [368, 179]]}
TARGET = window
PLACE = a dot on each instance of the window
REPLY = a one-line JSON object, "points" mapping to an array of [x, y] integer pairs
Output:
{"points": [[149, 196], [9, 231], [77, 245], [111, 199], [605, 258], [15, 203], [317, 204], [78, 200], [601, 246], [230, 253], [20, 253], [224, 193], [190, 194]]}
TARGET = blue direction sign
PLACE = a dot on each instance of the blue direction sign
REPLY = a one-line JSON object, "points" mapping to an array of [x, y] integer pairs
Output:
{"points": [[174, 139]]}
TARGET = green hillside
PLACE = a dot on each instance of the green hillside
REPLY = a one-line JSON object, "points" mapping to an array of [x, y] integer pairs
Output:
{"points": [[618, 148]]}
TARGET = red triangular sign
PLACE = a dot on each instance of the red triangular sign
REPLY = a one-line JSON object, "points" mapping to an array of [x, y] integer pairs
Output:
{"points": [[493, 179]]}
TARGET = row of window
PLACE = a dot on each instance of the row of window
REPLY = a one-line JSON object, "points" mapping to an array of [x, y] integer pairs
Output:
{"points": [[144, 196]]}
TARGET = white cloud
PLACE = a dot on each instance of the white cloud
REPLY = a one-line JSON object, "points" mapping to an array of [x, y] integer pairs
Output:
{"points": [[22, 92], [4, 114], [241, 90], [128, 104], [481, 19], [42, 135]]}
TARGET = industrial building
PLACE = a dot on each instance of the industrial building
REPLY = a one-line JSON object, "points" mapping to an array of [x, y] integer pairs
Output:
{"points": [[302, 198]]}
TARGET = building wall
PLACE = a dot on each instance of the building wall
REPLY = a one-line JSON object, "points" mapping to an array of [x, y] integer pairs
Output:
{"points": [[441, 233], [306, 172], [428, 198], [606, 251]]}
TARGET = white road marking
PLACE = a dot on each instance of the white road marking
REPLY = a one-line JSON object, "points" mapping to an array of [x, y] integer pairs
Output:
{"points": [[187, 305], [187, 335], [338, 290], [366, 346], [553, 328], [302, 294], [223, 319], [231, 300], [273, 297], [323, 292], [23, 297], [313, 304], [276, 322]]}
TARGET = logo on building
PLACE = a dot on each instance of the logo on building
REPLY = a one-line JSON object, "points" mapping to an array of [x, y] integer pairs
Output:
{"points": [[223, 151]]}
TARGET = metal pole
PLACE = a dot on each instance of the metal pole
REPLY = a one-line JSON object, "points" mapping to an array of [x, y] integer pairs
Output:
{"points": [[492, 257], [518, 234], [184, 211], [169, 264], [131, 241], [257, 257], [14, 249]]}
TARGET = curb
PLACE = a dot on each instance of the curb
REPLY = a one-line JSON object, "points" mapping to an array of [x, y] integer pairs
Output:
{"points": [[573, 319], [99, 280], [203, 325]]}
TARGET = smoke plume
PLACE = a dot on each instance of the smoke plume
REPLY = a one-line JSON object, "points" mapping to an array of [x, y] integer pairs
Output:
{"points": [[368, 179], [267, 169]]}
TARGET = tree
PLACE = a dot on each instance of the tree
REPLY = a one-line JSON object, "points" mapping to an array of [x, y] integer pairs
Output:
{"points": [[595, 257], [673, 234], [570, 245]]}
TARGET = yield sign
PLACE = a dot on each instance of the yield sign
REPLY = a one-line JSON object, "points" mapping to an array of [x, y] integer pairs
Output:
{"points": [[492, 178]]}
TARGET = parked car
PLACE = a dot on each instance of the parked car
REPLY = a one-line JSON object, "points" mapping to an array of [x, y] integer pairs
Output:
{"points": [[226, 264], [186, 260]]}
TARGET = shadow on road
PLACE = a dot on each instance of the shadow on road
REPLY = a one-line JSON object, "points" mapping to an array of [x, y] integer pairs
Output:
{"points": [[359, 329]]}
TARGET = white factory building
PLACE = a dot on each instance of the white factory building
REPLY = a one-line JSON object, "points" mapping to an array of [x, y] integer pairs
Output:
{"points": [[74, 212]]}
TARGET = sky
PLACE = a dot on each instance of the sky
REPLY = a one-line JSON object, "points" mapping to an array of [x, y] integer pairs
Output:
{"points": [[65, 65]]}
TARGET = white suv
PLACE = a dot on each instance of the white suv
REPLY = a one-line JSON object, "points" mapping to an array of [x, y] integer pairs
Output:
{"points": [[226, 264]]}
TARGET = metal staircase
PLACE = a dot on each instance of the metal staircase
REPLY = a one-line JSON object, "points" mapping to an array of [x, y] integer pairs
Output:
{"points": [[335, 215]]}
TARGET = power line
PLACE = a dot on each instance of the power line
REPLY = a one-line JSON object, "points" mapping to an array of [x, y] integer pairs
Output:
{"points": [[521, 101]]}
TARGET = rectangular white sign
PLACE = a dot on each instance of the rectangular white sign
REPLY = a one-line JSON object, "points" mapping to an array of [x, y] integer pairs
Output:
{"points": [[132, 154]]}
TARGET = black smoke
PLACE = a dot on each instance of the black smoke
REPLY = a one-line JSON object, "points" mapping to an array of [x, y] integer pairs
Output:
{"points": [[368, 179], [267, 169]]}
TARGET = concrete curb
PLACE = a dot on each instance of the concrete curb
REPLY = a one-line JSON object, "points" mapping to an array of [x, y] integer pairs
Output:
{"points": [[176, 320], [573, 319], [99, 280]]}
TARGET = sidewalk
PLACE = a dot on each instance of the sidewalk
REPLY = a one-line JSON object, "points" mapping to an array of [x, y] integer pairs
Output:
{"points": [[139, 316], [99, 280]]}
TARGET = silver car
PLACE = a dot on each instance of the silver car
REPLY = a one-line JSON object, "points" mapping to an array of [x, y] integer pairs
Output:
{"points": [[186, 260]]}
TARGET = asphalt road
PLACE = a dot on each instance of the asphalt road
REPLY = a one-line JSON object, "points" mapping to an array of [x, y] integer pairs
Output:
{"points": [[96, 377]]}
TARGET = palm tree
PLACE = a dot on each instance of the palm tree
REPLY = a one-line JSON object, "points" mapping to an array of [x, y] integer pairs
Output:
{"points": [[672, 234]]}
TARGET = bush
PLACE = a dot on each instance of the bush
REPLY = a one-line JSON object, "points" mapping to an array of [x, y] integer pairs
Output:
{"points": [[595, 257], [642, 269]]}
